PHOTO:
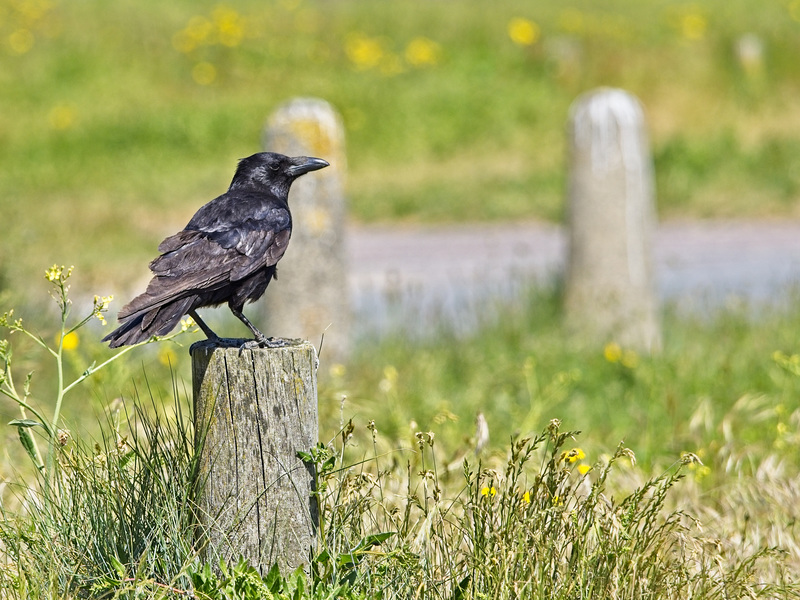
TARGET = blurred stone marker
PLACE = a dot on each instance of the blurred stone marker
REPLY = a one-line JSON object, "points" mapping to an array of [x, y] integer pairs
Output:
{"points": [[749, 49], [609, 288], [310, 297]]}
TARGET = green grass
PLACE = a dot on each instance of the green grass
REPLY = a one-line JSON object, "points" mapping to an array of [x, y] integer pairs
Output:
{"points": [[521, 368], [531, 524], [106, 136], [413, 498]]}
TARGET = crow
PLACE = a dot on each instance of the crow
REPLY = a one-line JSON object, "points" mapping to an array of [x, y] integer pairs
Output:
{"points": [[226, 253]]}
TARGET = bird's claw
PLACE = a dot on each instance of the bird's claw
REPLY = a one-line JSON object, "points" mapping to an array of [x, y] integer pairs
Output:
{"points": [[249, 345], [265, 342], [274, 342]]}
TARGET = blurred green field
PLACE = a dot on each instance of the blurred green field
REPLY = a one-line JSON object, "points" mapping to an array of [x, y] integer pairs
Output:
{"points": [[120, 119], [726, 382]]}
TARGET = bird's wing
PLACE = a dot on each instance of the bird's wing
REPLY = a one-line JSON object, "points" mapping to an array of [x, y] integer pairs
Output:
{"points": [[259, 249], [193, 262], [260, 238], [259, 241], [218, 247], [190, 263]]}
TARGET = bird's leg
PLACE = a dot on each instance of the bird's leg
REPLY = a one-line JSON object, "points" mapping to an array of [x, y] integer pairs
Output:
{"points": [[260, 338], [206, 329]]}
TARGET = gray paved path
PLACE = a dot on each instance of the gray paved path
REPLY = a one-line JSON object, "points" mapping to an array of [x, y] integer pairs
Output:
{"points": [[415, 275]]}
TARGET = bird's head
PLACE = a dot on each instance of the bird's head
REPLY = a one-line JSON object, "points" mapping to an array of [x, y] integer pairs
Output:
{"points": [[274, 171]]}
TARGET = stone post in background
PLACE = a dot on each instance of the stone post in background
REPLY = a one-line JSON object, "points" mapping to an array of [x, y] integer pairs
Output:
{"points": [[609, 288], [310, 296]]}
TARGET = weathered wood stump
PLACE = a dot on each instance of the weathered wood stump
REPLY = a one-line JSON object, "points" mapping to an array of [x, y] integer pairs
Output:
{"points": [[610, 289], [253, 410], [312, 298]]}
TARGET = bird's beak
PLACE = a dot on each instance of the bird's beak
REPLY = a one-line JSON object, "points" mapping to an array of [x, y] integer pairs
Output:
{"points": [[304, 164]]}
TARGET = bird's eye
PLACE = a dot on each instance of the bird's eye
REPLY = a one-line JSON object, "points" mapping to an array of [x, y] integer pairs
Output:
{"points": [[274, 167]]}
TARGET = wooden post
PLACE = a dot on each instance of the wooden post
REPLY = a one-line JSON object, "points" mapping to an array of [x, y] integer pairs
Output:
{"points": [[609, 288], [253, 410], [312, 298]]}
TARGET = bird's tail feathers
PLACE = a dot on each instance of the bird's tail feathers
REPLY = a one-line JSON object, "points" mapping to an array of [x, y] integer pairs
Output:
{"points": [[139, 325]]}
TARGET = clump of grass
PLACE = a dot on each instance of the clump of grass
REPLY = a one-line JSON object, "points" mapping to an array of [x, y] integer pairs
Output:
{"points": [[85, 517], [537, 527], [118, 512]]}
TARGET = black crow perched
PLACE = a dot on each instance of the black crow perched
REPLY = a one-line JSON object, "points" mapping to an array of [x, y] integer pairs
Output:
{"points": [[226, 254]]}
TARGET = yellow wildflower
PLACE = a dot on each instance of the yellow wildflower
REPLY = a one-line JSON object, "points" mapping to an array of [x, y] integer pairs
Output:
{"points": [[166, 355], [187, 323], [70, 341], [630, 359], [363, 51], [422, 52], [526, 497], [488, 491], [53, 273], [230, 26], [573, 455], [612, 352], [523, 31], [56, 273], [699, 470], [100, 306], [584, 469], [693, 26]]}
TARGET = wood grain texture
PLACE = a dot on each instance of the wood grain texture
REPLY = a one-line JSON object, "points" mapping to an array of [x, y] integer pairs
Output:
{"points": [[254, 409]]}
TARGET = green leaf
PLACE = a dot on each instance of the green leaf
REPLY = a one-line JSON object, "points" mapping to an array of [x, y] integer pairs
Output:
{"points": [[352, 558], [118, 567], [374, 540], [273, 579], [26, 439], [299, 591], [25, 423], [90, 369], [126, 459]]}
